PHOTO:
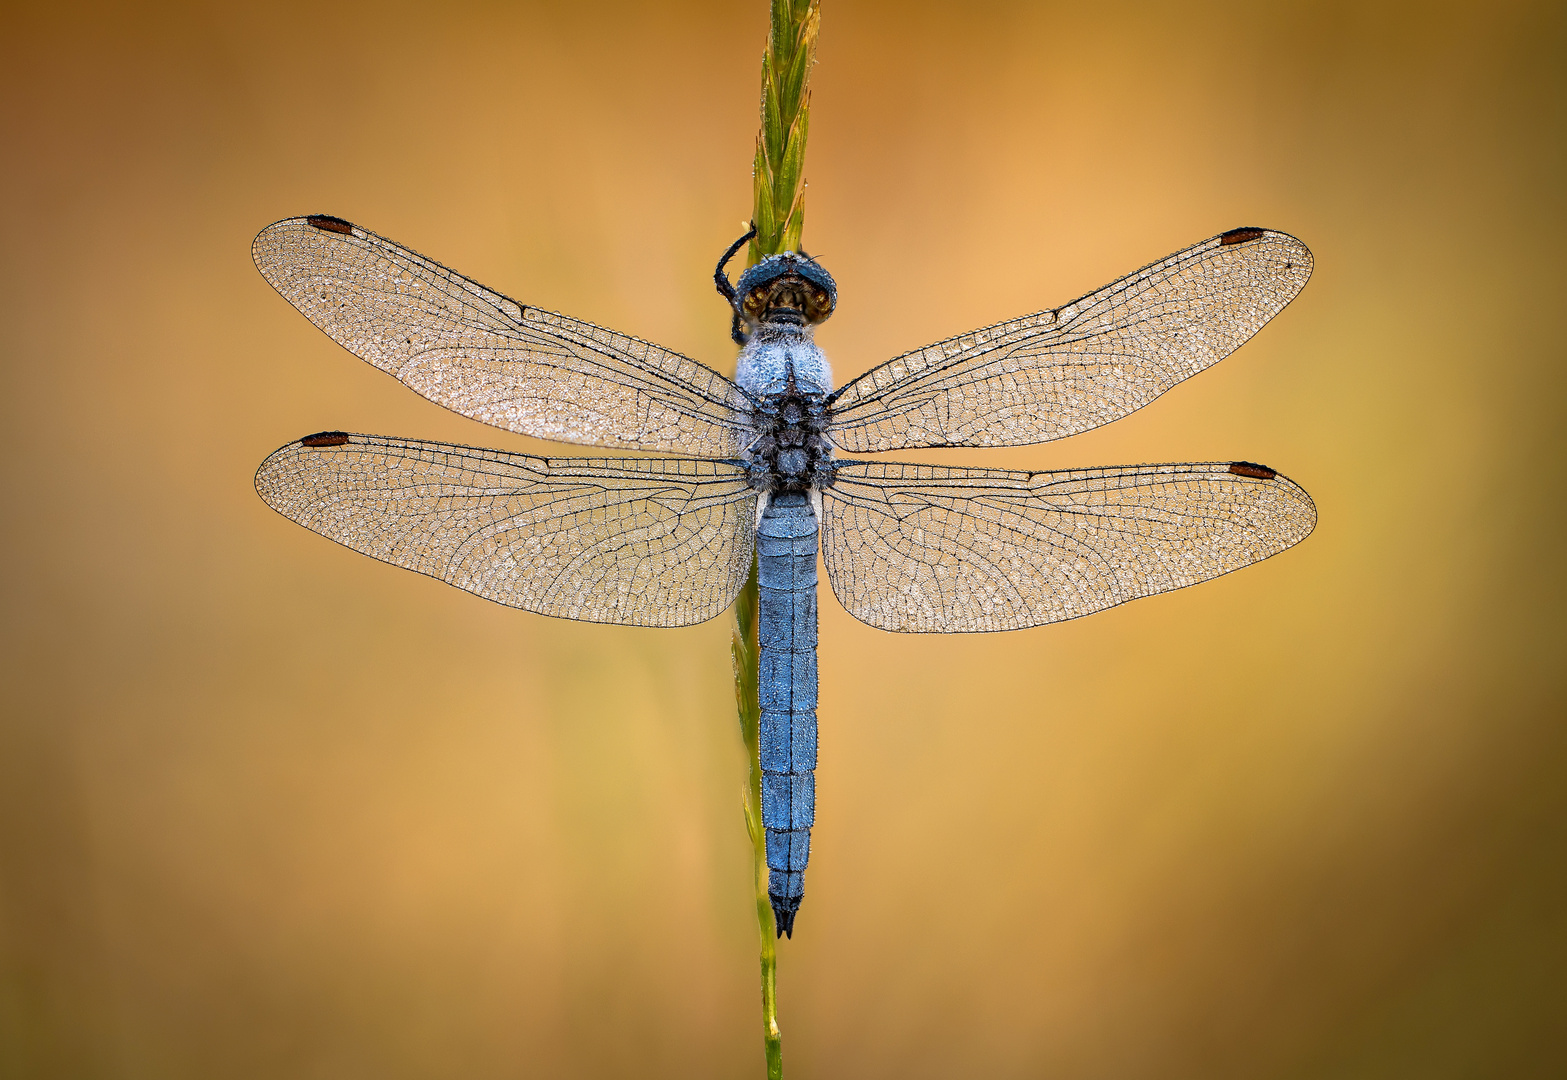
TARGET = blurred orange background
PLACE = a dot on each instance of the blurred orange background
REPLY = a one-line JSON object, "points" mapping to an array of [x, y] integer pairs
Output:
{"points": [[269, 808]]}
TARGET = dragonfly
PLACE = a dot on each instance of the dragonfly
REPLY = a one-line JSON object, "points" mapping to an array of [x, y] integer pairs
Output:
{"points": [[760, 464]]}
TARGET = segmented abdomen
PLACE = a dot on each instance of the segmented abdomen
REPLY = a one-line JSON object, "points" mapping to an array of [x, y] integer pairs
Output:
{"points": [[786, 691]]}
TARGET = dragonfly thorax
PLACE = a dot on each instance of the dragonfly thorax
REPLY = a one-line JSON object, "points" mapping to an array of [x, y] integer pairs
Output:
{"points": [[790, 451], [788, 380], [774, 355]]}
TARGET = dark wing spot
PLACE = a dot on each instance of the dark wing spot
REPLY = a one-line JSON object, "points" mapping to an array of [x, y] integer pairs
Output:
{"points": [[1234, 236], [329, 223], [1256, 472], [325, 438]]}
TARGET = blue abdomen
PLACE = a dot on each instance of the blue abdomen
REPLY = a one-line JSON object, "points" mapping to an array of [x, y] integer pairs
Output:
{"points": [[786, 691]]}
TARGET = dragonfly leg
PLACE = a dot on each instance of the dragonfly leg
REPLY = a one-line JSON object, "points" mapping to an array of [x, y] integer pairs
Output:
{"points": [[727, 290]]}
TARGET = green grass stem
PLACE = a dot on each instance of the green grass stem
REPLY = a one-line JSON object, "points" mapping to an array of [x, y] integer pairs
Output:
{"points": [[779, 216]]}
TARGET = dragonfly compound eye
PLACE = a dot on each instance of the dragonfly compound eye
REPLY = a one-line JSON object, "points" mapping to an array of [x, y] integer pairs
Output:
{"points": [[755, 302]]}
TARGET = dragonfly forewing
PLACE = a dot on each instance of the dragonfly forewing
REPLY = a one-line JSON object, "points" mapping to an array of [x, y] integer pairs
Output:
{"points": [[488, 357], [637, 541], [1059, 372], [923, 548]]}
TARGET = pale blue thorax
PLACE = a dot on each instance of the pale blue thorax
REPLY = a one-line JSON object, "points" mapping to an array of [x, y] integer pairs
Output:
{"points": [[763, 366]]}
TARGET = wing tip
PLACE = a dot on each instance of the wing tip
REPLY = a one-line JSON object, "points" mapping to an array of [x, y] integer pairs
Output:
{"points": [[1286, 488], [1247, 233], [323, 222], [265, 480], [1290, 258]]}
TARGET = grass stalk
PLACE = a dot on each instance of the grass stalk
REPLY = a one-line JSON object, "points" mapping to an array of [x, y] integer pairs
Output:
{"points": [[779, 215]]}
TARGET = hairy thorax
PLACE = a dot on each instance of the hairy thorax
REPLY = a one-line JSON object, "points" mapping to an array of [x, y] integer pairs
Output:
{"points": [[788, 379]]}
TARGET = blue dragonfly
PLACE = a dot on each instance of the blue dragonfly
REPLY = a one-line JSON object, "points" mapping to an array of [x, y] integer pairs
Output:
{"points": [[668, 541]]}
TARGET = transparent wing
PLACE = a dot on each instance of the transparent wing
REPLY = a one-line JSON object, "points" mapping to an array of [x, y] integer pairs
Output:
{"points": [[639, 541], [1055, 373], [923, 548], [485, 356]]}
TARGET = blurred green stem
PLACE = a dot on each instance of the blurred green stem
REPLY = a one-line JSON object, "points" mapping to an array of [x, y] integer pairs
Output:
{"points": [[779, 216], [744, 650]]}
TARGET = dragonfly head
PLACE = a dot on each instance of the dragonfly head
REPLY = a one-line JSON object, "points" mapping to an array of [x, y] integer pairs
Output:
{"points": [[785, 290]]}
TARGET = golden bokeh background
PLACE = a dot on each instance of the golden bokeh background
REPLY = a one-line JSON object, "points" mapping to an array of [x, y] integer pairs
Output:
{"points": [[271, 809]]}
